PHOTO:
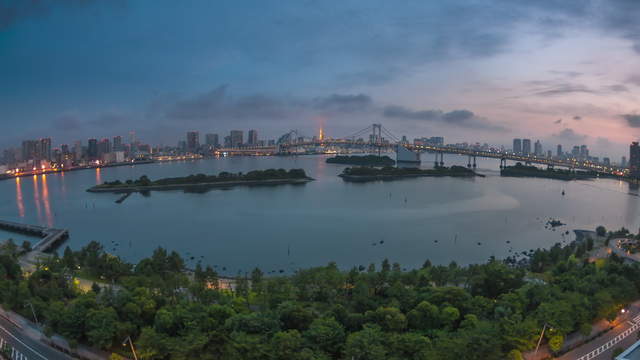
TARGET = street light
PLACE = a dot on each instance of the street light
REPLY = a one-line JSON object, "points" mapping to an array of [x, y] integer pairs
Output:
{"points": [[541, 335], [33, 312], [124, 343]]}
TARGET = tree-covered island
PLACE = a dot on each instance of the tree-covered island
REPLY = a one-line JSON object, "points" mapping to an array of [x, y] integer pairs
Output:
{"points": [[365, 174], [202, 181], [520, 170], [367, 160]]}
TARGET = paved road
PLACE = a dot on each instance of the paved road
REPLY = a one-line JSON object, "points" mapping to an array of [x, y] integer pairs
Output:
{"points": [[624, 323], [27, 347]]}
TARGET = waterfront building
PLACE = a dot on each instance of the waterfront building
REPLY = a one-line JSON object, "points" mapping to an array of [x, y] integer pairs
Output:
{"points": [[549, 154], [537, 148], [559, 151], [45, 149], [252, 138], [193, 141], [104, 147], [517, 146], [575, 152], [526, 147], [623, 162], [606, 161], [236, 138], [77, 151], [634, 160], [117, 143], [92, 149], [211, 140], [584, 152]]}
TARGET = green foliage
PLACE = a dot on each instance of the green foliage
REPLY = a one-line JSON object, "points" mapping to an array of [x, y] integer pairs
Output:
{"points": [[436, 312], [601, 231]]}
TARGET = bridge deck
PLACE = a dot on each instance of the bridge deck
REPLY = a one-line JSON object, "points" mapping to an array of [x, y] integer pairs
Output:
{"points": [[50, 237]]}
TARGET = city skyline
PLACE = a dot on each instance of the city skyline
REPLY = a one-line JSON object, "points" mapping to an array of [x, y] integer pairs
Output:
{"points": [[529, 70]]}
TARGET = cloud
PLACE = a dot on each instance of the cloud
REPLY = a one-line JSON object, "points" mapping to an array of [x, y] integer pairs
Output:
{"points": [[462, 118], [557, 122], [569, 74], [633, 120], [343, 103], [216, 104], [577, 118], [634, 79], [12, 12], [617, 88], [67, 123], [569, 135], [563, 89]]}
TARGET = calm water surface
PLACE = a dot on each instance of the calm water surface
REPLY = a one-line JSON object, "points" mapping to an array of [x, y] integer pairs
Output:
{"points": [[288, 227]]}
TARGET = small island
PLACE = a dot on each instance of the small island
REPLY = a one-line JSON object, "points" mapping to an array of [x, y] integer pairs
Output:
{"points": [[519, 170], [202, 182], [367, 160], [366, 174]]}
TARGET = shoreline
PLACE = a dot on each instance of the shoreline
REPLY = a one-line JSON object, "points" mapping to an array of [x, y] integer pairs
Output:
{"points": [[201, 186], [369, 178]]}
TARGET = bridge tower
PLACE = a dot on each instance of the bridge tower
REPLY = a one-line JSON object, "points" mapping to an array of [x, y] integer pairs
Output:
{"points": [[441, 158], [376, 137], [503, 163]]}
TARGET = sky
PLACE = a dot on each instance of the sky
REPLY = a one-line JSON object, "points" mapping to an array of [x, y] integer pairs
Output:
{"points": [[561, 71]]}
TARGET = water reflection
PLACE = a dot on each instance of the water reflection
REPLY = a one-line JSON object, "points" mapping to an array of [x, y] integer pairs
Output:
{"points": [[19, 199], [98, 177], [45, 200], [36, 197]]}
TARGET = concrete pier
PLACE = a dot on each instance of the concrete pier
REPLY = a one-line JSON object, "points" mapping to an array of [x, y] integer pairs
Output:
{"points": [[50, 239]]}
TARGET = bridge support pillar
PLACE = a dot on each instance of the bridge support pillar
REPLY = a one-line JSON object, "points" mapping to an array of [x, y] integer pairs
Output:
{"points": [[503, 163], [436, 164], [441, 159], [469, 161], [474, 162]]}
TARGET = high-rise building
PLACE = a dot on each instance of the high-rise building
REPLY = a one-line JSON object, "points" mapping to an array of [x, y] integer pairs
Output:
{"points": [[193, 141], [517, 146], [537, 148], [606, 161], [77, 150], [526, 147], [236, 138], [575, 152], [623, 162], [559, 151], [584, 152], [634, 160], [104, 147], [252, 138], [45, 149], [117, 143], [92, 149], [29, 150], [212, 140], [549, 154]]}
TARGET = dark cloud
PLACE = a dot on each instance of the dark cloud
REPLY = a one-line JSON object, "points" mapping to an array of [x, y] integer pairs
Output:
{"points": [[633, 120], [343, 103], [634, 79], [577, 118], [216, 104], [563, 89], [14, 11], [617, 88], [109, 120], [462, 118], [557, 122], [569, 74], [67, 123], [569, 135]]}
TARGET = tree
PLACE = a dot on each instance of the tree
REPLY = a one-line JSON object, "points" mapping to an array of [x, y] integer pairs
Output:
{"points": [[601, 231], [101, 327], [367, 344], [556, 342], [286, 344], [388, 318], [424, 316], [326, 334], [26, 246]]}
